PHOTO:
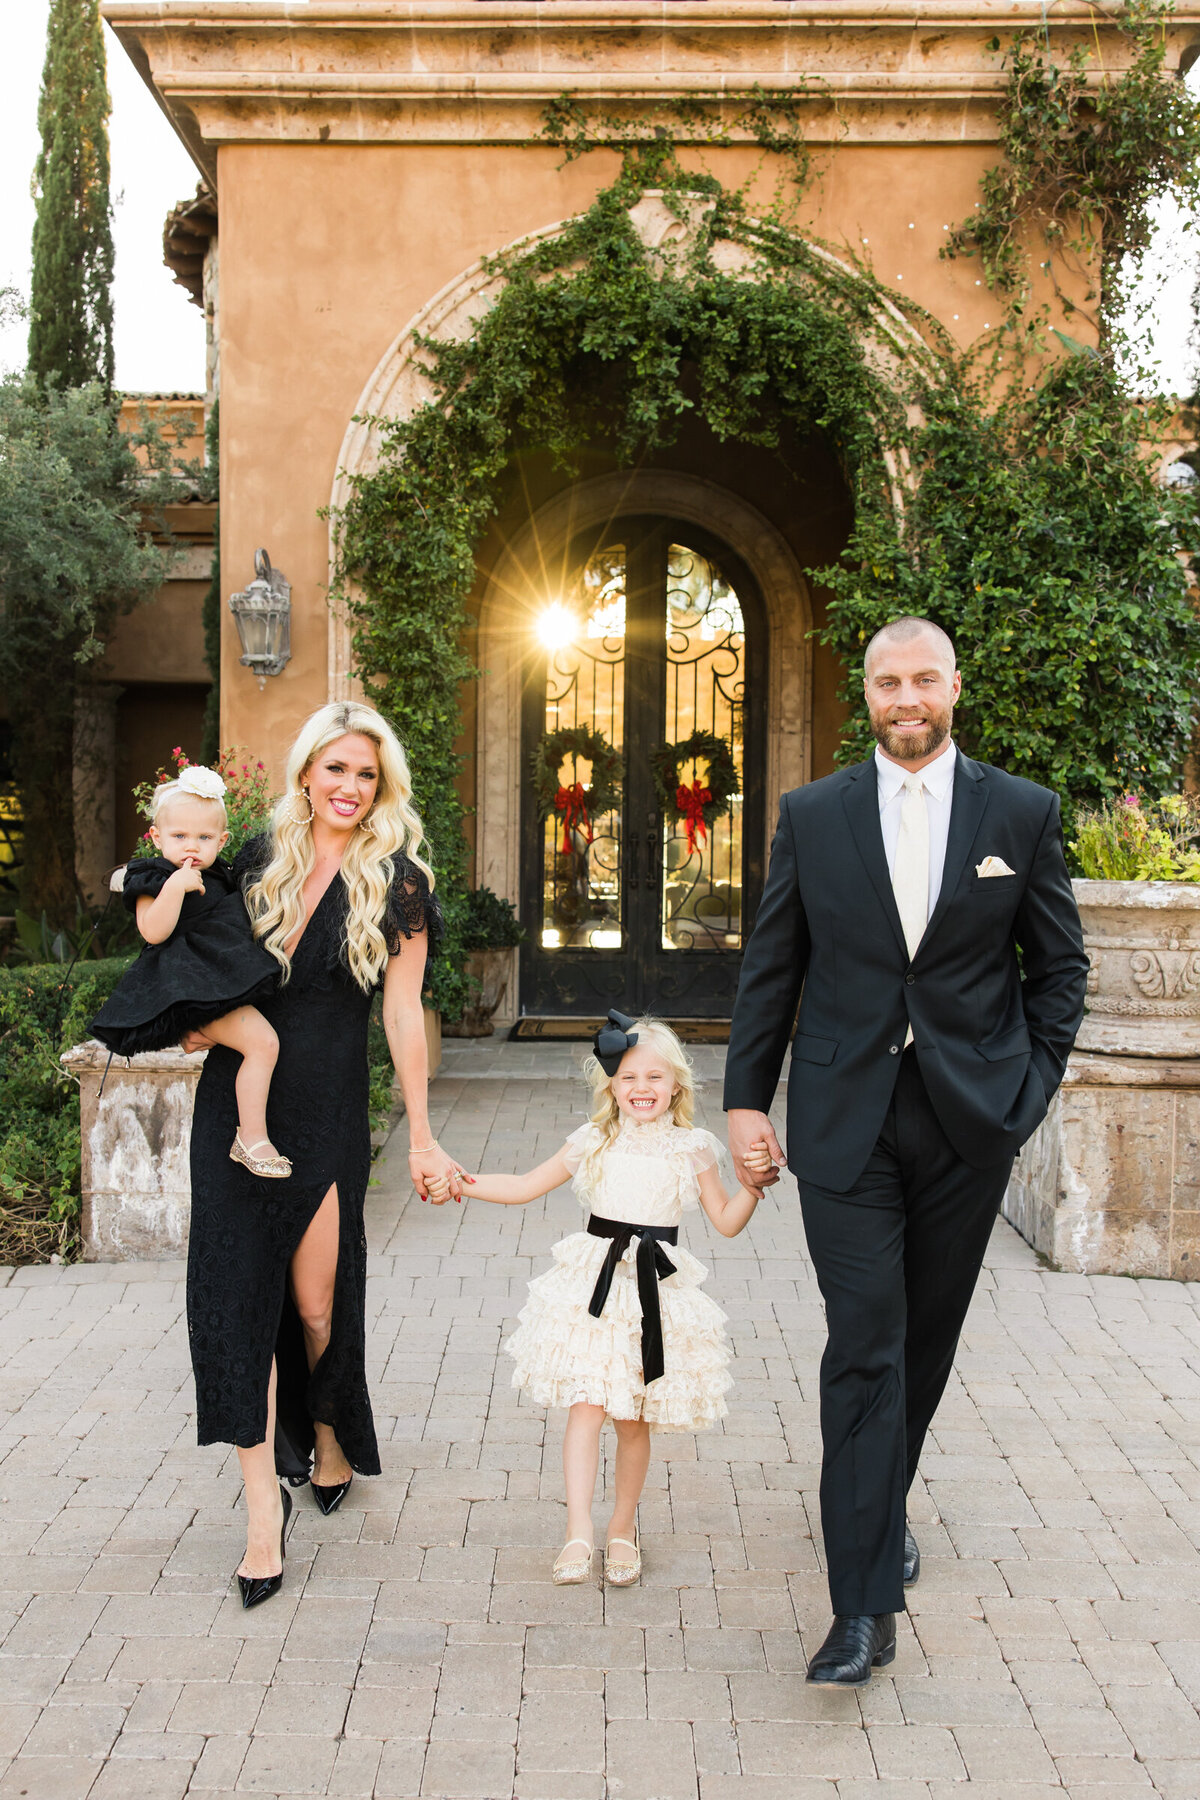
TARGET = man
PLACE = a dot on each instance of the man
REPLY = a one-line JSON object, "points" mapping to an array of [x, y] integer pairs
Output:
{"points": [[900, 892]]}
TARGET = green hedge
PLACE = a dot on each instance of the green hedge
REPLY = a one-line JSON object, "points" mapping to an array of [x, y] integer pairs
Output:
{"points": [[43, 1011]]}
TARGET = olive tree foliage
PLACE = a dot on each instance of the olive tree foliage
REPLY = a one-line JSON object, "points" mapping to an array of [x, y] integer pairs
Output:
{"points": [[70, 309], [77, 529]]}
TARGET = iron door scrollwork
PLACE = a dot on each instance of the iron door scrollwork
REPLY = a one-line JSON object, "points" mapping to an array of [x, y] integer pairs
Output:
{"points": [[656, 632]]}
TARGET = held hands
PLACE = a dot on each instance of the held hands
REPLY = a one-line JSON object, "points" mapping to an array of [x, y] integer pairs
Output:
{"points": [[435, 1175], [749, 1132], [759, 1164]]}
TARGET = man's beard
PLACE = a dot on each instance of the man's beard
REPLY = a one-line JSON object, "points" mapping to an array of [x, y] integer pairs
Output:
{"points": [[906, 747]]}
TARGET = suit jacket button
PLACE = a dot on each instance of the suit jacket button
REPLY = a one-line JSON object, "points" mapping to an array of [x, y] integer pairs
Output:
{"points": [[893, 1049]]}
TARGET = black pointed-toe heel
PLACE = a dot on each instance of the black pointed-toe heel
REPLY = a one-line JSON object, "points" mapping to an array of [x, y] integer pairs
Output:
{"points": [[330, 1498], [257, 1588]]}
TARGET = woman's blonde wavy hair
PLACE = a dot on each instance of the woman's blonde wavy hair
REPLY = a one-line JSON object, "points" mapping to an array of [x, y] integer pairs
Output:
{"points": [[606, 1114], [276, 899]]}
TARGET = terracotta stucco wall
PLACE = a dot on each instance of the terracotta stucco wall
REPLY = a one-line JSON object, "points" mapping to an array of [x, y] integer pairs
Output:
{"points": [[328, 251]]}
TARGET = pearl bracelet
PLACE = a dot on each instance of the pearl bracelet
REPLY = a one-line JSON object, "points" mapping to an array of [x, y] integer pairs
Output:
{"points": [[424, 1151]]}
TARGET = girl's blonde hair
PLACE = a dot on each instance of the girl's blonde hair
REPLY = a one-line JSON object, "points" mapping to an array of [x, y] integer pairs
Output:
{"points": [[166, 791], [606, 1114], [276, 899]]}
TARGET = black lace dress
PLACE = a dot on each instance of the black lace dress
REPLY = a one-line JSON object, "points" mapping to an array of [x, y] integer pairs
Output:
{"points": [[244, 1230]]}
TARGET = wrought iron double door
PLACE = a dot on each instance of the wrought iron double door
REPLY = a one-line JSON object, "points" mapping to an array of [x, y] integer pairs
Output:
{"points": [[644, 901]]}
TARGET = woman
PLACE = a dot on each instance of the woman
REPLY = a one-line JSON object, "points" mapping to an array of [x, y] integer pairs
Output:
{"points": [[339, 895]]}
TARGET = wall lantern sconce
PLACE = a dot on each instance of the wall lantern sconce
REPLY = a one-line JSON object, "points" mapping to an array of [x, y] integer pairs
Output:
{"points": [[263, 614]]}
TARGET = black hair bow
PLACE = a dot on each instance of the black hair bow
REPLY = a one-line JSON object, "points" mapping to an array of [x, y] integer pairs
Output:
{"points": [[612, 1040]]}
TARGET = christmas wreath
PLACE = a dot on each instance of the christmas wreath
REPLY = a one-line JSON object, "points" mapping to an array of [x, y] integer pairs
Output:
{"points": [[577, 804], [703, 801]]}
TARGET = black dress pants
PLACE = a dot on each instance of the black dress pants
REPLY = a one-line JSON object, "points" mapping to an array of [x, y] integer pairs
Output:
{"points": [[897, 1259]]}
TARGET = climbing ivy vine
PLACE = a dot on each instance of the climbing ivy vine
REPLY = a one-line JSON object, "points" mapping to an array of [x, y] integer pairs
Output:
{"points": [[1085, 154], [1033, 529]]}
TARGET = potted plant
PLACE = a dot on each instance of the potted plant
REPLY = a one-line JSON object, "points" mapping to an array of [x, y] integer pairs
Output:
{"points": [[490, 932], [1139, 901]]}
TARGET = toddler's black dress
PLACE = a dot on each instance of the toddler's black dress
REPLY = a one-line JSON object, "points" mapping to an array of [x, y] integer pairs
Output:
{"points": [[245, 1230], [209, 965]]}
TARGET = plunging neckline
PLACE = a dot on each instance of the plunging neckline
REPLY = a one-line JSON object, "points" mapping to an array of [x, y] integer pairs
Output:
{"points": [[312, 913]]}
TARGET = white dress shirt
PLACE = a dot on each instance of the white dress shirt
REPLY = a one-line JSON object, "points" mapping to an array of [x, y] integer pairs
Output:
{"points": [[938, 777]]}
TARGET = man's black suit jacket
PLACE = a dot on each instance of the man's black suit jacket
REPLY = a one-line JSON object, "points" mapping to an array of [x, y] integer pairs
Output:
{"points": [[991, 1046]]}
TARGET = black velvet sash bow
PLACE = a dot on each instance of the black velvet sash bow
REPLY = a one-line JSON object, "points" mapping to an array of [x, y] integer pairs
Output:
{"points": [[653, 1265]]}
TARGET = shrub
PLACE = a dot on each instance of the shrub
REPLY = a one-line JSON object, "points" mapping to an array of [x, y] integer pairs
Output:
{"points": [[43, 1011], [1135, 839], [491, 923]]}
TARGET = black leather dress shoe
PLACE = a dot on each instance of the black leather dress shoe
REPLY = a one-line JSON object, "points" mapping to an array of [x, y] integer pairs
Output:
{"points": [[857, 1643], [257, 1588], [330, 1498], [912, 1559]]}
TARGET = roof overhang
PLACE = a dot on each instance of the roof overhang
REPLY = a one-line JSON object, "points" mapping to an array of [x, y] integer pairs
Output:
{"points": [[483, 71]]}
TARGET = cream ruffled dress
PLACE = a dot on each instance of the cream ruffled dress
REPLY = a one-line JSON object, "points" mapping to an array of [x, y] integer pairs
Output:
{"points": [[648, 1176]]}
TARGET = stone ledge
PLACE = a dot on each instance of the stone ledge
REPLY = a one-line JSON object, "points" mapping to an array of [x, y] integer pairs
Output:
{"points": [[1091, 1069]]}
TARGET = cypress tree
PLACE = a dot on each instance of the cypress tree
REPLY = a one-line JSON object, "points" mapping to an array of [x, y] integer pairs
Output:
{"points": [[71, 321]]}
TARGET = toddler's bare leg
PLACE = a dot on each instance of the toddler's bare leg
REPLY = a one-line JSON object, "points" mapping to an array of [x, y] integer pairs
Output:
{"points": [[629, 1476], [581, 1461], [246, 1031]]}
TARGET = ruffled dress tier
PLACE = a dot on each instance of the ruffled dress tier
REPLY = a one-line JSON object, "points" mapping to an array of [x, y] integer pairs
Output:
{"points": [[647, 1175]]}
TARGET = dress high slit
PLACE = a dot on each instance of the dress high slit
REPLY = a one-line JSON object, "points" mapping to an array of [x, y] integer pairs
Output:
{"points": [[245, 1230]]}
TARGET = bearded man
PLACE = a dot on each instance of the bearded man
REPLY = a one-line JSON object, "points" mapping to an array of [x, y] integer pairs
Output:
{"points": [[918, 910]]}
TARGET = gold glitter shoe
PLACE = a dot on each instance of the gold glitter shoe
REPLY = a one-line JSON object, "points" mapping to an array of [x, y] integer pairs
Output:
{"points": [[272, 1168], [620, 1572], [577, 1569]]}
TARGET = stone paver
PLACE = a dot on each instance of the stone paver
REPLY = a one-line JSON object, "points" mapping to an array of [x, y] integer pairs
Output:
{"points": [[419, 1647]]}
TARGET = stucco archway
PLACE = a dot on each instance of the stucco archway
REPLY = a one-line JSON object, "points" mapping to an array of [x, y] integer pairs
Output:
{"points": [[400, 383]]}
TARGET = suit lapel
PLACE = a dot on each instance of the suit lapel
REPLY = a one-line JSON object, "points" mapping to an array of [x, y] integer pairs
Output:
{"points": [[861, 801], [966, 813]]}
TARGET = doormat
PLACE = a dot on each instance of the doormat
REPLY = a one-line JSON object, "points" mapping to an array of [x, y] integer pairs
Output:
{"points": [[579, 1031]]}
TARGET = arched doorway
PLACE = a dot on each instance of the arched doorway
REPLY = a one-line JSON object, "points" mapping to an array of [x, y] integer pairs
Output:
{"points": [[658, 632]]}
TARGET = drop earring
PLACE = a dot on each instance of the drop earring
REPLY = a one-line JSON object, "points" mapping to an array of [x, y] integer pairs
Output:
{"points": [[311, 809]]}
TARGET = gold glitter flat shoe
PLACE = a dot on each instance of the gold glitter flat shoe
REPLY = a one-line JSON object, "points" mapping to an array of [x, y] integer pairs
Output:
{"points": [[272, 1168], [577, 1569], [620, 1572]]}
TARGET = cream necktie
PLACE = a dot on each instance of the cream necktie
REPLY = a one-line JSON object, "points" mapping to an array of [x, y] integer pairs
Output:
{"points": [[910, 872]]}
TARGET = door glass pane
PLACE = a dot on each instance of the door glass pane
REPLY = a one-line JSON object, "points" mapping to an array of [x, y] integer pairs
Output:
{"points": [[702, 866], [584, 636]]}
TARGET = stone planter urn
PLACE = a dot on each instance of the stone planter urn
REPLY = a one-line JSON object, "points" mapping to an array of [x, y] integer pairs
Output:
{"points": [[1143, 995], [490, 969], [1109, 1184]]}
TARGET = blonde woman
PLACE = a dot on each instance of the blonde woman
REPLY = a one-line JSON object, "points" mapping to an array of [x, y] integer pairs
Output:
{"points": [[339, 895], [620, 1326]]}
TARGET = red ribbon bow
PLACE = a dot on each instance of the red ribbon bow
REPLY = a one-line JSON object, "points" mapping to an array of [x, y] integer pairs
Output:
{"points": [[691, 802], [572, 803]]}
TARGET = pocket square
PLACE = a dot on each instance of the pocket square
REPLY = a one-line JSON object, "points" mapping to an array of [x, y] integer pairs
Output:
{"points": [[993, 865]]}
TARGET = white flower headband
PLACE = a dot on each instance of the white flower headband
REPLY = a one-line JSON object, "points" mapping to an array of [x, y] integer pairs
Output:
{"points": [[206, 784]]}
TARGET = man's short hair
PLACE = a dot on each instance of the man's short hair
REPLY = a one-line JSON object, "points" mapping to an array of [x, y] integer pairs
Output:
{"points": [[903, 630]]}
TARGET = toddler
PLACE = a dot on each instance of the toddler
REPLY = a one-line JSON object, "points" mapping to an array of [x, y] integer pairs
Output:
{"points": [[201, 968]]}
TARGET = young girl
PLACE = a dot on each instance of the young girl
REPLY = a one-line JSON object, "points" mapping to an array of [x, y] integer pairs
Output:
{"points": [[620, 1325], [201, 967]]}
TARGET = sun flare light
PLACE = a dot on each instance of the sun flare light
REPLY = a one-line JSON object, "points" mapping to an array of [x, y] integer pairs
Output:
{"points": [[556, 626]]}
